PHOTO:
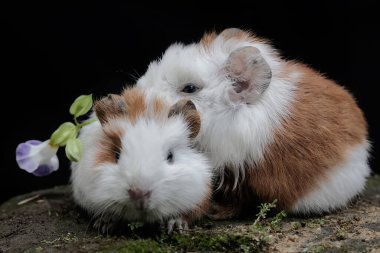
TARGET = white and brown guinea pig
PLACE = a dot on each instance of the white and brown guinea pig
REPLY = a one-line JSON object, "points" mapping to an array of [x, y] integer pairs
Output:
{"points": [[139, 164], [281, 129]]}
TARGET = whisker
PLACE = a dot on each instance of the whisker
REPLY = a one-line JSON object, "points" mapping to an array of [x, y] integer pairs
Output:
{"points": [[135, 76]]}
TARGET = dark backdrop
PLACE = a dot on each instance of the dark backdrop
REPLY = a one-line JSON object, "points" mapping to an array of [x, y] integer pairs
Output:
{"points": [[53, 53]]}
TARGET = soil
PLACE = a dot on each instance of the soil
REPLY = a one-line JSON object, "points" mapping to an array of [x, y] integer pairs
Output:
{"points": [[49, 221]]}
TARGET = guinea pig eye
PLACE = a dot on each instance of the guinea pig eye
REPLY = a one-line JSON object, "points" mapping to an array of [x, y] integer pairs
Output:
{"points": [[190, 88], [169, 158], [117, 154]]}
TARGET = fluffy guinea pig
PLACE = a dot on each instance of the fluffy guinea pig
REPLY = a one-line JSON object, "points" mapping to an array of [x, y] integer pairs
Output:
{"points": [[138, 163], [272, 128]]}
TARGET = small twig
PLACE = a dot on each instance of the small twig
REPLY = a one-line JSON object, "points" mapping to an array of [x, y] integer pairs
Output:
{"points": [[8, 234], [22, 202]]}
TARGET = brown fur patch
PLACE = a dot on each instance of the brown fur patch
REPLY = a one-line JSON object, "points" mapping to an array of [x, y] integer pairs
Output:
{"points": [[109, 107], [110, 144], [325, 122], [135, 103], [207, 40], [189, 111], [158, 106], [131, 104]]}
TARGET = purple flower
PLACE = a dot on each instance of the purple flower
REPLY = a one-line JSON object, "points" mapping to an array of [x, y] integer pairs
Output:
{"points": [[36, 157]]}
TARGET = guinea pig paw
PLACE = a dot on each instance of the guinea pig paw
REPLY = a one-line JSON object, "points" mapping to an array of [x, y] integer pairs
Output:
{"points": [[104, 227], [177, 224]]}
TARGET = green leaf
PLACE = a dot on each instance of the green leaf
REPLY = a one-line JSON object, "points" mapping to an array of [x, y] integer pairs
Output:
{"points": [[64, 132], [81, 105], [74, 149]]}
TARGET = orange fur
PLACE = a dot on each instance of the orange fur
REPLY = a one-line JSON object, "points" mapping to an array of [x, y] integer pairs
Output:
{"points": [[110, 107], [158, 106], [110, 144], [189, 111], [135, 103], [207, 40]]}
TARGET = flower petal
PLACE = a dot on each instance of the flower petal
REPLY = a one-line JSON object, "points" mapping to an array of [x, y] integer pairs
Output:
{"points": [[54, 163], [43, 170], [23, 149], [34, 142], [27, 164], [33, 156], [23, 159]]}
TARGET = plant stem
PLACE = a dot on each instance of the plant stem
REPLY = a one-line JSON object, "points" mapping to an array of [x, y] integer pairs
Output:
{"points": [[88, 122], [76, 121]]}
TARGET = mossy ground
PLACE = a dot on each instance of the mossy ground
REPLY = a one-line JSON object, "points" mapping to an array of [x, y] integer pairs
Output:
{"points": [[51, 222]]}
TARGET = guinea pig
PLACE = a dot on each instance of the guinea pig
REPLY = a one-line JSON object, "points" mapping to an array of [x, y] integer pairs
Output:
{"points": [[272, 128], [139, 163]]}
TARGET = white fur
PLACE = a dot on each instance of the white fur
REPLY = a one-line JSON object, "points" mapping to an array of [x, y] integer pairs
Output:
{"points": [[176, 188], [341, 184], [231, 133]]}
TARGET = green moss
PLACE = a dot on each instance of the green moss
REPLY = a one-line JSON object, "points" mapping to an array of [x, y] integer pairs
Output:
{"points": [[315, 249], [254, 239], [341, 232], [216, 242], [316, 223], [141, 246], [34, 250], [196, 241], [65, 238], [276, 221]]}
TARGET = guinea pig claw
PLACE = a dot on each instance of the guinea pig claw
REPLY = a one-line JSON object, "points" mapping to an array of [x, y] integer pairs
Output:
{"points": [[177, 224], [171, 223], [105, 226]]}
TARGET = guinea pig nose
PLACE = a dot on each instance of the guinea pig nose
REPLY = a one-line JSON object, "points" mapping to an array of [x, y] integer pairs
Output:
{"points": [[137, 194]]}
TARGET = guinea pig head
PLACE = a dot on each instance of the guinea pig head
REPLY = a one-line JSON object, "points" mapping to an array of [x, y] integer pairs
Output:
{"points": [[231, 68], [151, 170]]}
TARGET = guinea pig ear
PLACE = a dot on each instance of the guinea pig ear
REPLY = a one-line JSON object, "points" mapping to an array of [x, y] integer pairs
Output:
{"points": [[109, 107], [190, 113], [250, 73], [232, 32]]}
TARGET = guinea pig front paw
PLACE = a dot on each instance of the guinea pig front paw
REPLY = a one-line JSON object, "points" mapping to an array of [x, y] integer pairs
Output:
{"points": [[105, 226], [178, 224]]}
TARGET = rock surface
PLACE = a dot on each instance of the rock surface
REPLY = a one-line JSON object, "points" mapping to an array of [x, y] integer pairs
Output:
{"points": [[49, 221]]}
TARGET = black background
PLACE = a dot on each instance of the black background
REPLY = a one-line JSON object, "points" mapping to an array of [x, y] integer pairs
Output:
{"points": [[54, 53]]}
